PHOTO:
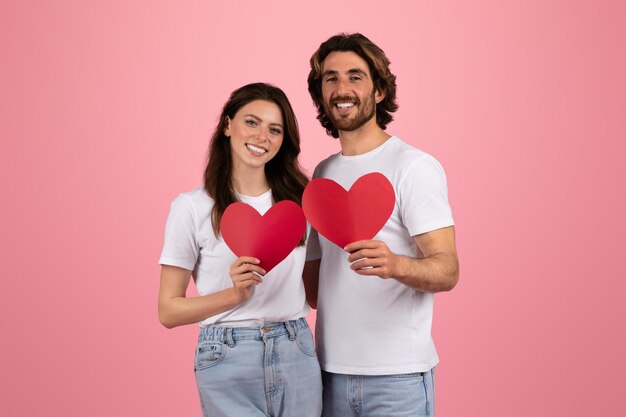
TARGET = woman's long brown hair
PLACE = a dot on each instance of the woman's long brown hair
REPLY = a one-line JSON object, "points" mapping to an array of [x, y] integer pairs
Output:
{"points": [[283, 172]]}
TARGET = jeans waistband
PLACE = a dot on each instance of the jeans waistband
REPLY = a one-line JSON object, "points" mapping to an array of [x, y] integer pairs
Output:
{"points": [[230, 335]]}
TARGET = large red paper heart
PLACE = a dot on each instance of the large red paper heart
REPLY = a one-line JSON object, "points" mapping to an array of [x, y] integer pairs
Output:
{"points": [[348, 216], [269, 238]]}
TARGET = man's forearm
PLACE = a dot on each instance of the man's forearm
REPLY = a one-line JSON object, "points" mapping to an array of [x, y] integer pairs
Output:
{"points": [[435, 273]]}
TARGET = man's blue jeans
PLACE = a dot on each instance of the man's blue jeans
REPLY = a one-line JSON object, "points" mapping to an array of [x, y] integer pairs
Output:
{"points": [[402, 395]]}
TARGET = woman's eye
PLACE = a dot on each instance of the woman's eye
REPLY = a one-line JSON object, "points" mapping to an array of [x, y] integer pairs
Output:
{"points": [[276, 131], [251, 122]]}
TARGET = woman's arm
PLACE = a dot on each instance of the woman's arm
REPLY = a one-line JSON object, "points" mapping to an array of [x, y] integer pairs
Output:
{"points": [[176, 309]]}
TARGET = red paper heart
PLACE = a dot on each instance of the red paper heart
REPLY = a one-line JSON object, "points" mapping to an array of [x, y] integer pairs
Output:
{"points": [[348, 216], [269, 238]]}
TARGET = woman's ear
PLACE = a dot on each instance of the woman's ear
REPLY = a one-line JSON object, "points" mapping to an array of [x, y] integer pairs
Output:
{"points": [[227, 127]]}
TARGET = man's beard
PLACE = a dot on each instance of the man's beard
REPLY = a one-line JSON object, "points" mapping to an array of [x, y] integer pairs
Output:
{"points": [[364, 114]]}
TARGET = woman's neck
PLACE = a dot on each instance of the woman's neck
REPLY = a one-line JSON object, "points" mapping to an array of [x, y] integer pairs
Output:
{"points": [[251, 181]]}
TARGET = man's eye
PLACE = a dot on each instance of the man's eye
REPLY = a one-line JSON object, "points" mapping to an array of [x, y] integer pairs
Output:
{"points": [[330, 79]]}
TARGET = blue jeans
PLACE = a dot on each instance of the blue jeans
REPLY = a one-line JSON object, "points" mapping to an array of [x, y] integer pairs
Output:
{"points": [[403, 395], [252, 371]]}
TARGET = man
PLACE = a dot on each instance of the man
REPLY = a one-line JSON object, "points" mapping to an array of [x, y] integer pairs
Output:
{"points": [[375, 297]]}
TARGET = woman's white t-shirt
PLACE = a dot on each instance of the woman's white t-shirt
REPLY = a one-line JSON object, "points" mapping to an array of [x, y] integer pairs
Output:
{"points": [[191, 244]]}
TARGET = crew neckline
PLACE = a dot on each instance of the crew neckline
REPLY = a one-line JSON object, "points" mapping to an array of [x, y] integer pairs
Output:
{"points": [[369, 153], [254, 199]]}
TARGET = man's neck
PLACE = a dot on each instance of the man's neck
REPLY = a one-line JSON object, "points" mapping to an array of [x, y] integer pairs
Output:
{"points": [[360, 141]]}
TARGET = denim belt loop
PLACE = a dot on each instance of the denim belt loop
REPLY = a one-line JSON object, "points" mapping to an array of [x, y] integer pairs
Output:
{"points": [[229, 337], [291, 329]]}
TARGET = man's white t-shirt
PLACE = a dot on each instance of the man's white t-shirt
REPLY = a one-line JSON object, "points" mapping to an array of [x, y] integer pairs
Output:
{"points": [[191, 244], [367, 325]]}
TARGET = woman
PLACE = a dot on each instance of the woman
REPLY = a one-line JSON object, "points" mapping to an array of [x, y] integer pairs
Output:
{"points": [[255, 353]]}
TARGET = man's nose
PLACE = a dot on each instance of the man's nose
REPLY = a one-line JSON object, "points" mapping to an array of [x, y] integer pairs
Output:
{"points": [[343, 87]]}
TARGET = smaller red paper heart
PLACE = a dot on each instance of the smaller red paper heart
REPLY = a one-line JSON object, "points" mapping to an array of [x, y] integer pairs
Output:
{"points": [[344, 216], [269, 238]]}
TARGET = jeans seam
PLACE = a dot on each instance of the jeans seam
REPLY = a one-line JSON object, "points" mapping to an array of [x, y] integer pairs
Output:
{"points": [[426, 410], [355, 384], [205, 412]]}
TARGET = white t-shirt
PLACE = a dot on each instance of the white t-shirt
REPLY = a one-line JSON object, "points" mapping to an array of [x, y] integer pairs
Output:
{"points": [[367, 325], [191, 244]]}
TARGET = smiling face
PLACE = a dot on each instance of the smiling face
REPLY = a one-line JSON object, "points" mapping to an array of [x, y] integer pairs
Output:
{"points": [[256, 134], [348, 91]]}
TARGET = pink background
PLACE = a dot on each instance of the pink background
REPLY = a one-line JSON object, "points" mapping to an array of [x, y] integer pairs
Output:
{"points": [[106, 110]]}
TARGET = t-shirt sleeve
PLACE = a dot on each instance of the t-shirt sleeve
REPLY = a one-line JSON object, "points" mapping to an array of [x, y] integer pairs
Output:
{"points": [[423, 197], [180, 247]]}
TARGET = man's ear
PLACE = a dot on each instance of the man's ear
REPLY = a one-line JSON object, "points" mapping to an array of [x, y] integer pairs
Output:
{"points": [[379, 95]]}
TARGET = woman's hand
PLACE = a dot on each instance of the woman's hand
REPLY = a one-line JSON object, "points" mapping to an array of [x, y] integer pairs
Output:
{"points": [[245, 275]]}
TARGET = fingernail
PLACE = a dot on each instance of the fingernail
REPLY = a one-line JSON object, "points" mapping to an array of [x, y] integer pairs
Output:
{"points": [[264, 272]]}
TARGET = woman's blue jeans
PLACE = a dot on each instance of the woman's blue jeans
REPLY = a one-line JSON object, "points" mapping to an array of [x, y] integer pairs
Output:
{"points": [[258, 371]]}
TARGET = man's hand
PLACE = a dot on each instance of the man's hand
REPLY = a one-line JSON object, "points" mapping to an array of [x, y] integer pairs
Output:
{"points": [[372, 257], [434, 269]]}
